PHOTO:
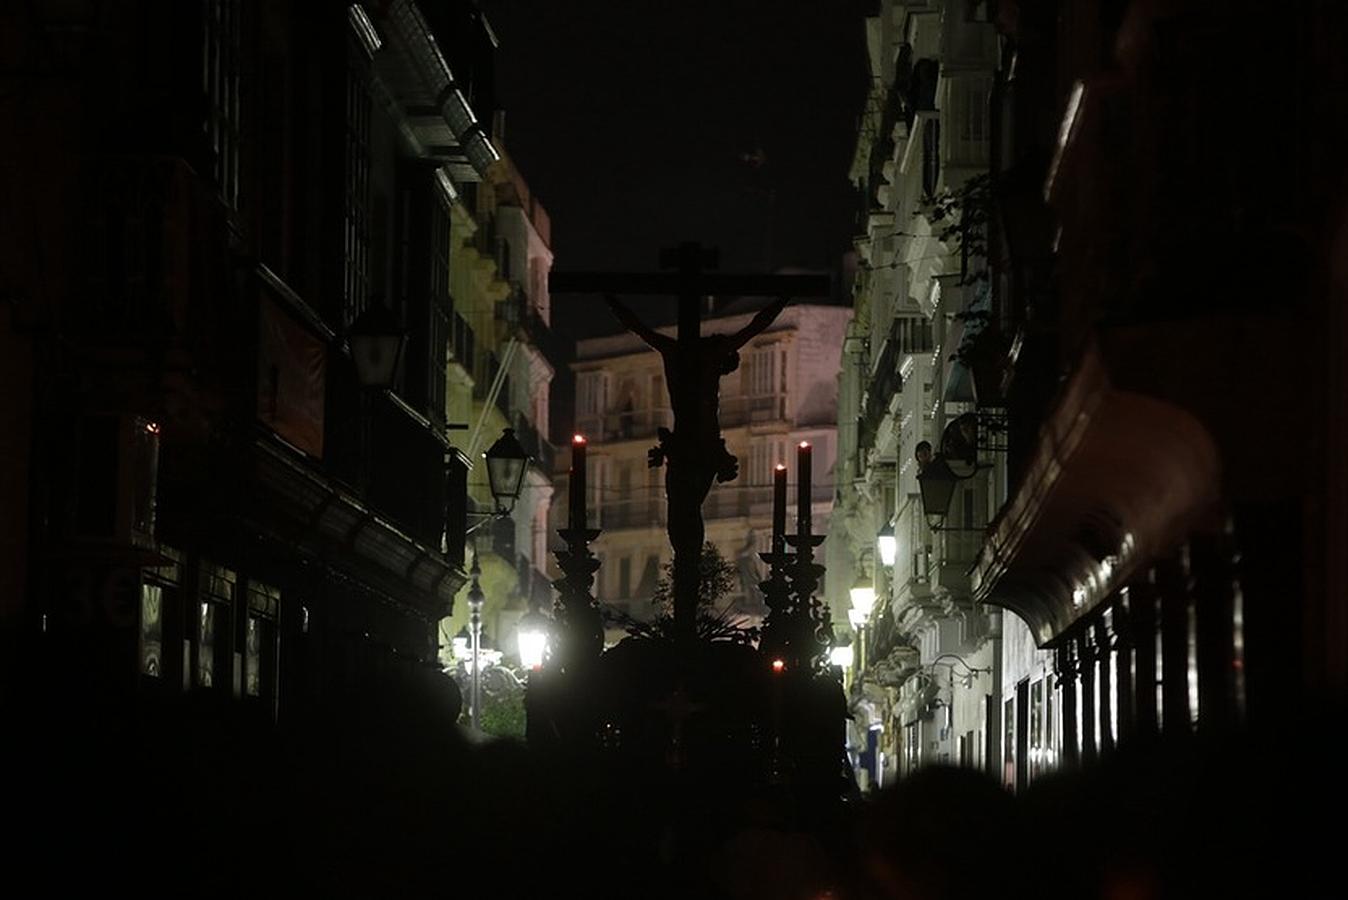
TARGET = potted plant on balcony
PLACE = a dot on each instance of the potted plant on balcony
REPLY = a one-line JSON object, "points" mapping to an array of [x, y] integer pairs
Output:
{"points": [[983, 352]]}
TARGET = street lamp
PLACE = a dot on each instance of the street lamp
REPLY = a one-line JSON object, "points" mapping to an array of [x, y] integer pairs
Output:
{"points": [[938, 474], [376, 339], [475, 601], [863, 596], [506, 464], [887, 544], [532, 634], [460, 643], [841, 656]]}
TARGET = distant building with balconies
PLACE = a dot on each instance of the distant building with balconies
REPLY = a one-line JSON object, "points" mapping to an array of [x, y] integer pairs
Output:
{"points": [[930, 658], [503, 363], [784, 392]]}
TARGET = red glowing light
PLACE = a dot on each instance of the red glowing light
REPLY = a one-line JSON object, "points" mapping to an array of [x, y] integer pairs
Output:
{"points": [[578, 439], [779, 666]]}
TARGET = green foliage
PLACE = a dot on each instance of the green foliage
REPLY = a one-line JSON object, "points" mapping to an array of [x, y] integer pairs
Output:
{"points": [[717, 579], [960, 218], [503, 714]]}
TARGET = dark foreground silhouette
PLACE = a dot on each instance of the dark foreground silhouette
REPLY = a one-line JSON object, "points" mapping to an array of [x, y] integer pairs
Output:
{"points": [[377, 800]]}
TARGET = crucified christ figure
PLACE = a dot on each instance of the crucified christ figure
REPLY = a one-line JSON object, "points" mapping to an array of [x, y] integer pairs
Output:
{"points": [[695, 451]]}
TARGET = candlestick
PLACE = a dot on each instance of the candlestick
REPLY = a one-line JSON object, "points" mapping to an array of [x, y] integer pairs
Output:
{"points": [[779, 508], [803, 488], [578, 482]]}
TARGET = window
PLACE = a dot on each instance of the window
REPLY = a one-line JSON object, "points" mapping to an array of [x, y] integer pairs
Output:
{"points": [[151, 630], [1009, 744], [765, 382], [260, 642], [212, 665], [158, 591], [356, 213], [1052, 738], [931, 156], [591, 393], [441, 308], [764, 455], [913, 334], [220, 87], [1038, 747], [973, 101]]}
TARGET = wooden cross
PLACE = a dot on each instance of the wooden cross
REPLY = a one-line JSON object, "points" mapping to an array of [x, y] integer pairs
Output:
{"points": [[686, 449]]}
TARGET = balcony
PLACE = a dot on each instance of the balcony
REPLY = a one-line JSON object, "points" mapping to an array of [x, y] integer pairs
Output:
{"points": [[885, 383], [522, 315], [543, 451], [626, 425], [644, 508], [462, 342], [485, 375], [953, 556]]}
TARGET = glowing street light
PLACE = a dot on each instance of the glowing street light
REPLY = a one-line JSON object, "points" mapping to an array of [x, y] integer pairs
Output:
{"points": [[863, 597], [887, 544], [532, 634]]}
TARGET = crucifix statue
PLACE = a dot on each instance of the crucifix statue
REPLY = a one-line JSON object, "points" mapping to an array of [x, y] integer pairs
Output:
{"points": [[694, 452]]}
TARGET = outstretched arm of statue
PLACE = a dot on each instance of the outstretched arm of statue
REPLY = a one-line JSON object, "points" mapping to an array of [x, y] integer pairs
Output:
{"points": [[759, 322], [654, 339]]}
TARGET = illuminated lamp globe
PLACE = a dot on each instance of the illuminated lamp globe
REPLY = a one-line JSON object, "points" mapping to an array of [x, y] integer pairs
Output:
{"points": [[506, 464]]}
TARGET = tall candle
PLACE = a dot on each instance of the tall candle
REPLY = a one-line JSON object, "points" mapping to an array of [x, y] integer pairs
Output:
{"points": [[778, 507], [578, 482], [803, 487]]}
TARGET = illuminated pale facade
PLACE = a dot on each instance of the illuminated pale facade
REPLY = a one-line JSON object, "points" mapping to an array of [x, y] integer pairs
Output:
{"points": [[932, 666], [502, 363]]}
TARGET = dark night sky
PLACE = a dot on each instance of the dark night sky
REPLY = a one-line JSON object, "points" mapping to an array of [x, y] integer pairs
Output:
{"points": [[629, 118]]}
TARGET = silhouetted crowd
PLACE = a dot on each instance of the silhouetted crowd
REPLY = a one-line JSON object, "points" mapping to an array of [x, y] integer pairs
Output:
{"points": [[391, 800]]}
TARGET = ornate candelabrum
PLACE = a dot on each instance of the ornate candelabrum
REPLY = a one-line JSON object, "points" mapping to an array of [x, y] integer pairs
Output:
{"points": [[580, 627], [806, 647], [777, 588]]}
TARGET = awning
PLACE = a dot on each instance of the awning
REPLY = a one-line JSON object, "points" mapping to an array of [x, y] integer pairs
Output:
{"points": [[1118, 478]]}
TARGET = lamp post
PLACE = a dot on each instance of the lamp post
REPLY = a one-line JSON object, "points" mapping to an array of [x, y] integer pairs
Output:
{"points": [[376, 339], [507, 463], [862, 595], [475, 600]]}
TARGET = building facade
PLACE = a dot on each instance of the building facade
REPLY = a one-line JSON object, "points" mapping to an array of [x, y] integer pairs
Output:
{"points": [[1092, 548], [930, 659], [783, 392], [504, 359], [203, 504]]}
